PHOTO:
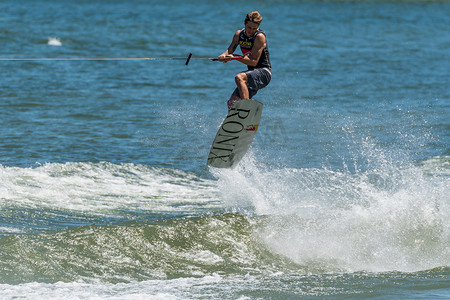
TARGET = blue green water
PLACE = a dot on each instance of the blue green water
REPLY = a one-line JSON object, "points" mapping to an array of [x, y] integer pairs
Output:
{"points": [[104, 188]]}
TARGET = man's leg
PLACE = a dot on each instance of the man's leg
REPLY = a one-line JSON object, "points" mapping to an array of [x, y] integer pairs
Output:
{"points": [[241, 80], [242, 89]]}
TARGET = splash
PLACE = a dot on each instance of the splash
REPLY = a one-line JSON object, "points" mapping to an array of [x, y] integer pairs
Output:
{"points": [[393, 216]]}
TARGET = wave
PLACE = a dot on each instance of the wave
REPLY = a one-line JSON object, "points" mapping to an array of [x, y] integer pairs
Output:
{"points": [[227, 244], [127, 222], [174, 248]]}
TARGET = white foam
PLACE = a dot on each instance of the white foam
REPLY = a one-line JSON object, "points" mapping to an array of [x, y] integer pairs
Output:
{"points": [[103, 188], [182, 288], [10, 230]]}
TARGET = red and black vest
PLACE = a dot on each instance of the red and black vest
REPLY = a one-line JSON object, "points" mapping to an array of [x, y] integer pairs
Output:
{"points": [[246, 44]]}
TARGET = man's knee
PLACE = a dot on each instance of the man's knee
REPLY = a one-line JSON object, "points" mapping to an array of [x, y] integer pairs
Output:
{"points": [[240, 78]]}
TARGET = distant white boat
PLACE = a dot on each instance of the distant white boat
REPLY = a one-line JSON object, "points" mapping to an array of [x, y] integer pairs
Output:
{"points": [[54, 42]]}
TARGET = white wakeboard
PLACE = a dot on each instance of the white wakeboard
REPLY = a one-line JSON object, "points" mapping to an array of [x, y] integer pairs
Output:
{"points": [[235, 134]]}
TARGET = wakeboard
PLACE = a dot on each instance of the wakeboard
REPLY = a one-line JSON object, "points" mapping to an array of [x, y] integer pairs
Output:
{"points": [[235, 134]]}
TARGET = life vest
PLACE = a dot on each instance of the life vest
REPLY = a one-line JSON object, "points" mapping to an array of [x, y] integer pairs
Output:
{"points": [[246, 44]]}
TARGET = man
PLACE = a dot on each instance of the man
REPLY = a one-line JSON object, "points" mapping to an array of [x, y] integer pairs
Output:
{"points": [[252, 41]]}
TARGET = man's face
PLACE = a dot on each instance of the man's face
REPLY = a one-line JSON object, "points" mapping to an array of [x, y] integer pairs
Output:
{"points": [[250, 28]]}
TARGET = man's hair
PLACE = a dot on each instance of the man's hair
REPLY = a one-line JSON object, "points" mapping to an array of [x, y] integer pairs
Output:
{"points": [[254, 17]]}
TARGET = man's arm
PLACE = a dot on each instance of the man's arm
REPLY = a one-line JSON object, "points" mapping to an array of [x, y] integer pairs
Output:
{"points": [[230, 50]]}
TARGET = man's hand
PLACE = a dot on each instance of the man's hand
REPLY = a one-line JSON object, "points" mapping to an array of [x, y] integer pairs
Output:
{"points": [[225, 58]]}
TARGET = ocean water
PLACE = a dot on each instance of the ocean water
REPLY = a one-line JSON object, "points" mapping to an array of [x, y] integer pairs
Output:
{"points": [[104, 188]]}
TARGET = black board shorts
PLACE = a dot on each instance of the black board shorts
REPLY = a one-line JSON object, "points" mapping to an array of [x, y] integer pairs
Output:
{"points": [[257, 79]]}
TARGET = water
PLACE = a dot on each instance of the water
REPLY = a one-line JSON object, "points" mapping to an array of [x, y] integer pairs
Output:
{"points": [[105, 192]]}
